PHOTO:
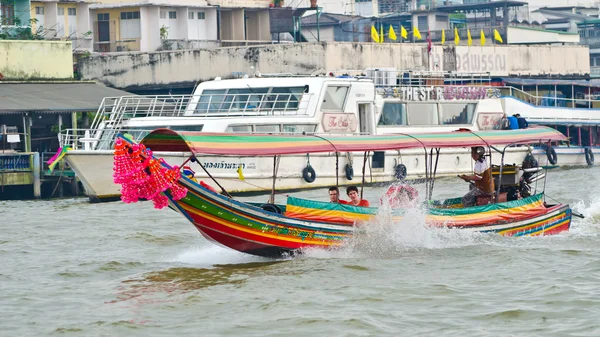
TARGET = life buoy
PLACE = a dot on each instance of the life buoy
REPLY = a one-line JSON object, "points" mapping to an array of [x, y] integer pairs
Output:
{"points": [[400, 196], [400, 171], [349, 172], [309, 174], [551, 154], [589, 156]]}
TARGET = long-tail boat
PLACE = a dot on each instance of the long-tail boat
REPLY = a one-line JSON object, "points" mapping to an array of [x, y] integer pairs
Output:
{"points": [[271, 229]]}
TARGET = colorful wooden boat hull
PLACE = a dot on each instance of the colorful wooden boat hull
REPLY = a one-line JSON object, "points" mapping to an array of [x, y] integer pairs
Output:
{"points": [[250, 229]]}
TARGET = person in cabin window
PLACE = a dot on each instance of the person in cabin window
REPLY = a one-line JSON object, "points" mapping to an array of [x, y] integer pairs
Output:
{"points": [[513, 122], [481, 177], [355, 199], [334, 196], [522, 122]]}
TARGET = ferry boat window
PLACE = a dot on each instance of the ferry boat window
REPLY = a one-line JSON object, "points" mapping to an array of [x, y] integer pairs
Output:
{"points": [[423, 114], [393, 113], [457, 113], [284, 98], [239, 128], [267, 128], [243, 99], [210, 101], [335, 96], [186, 127], [309, 128]]}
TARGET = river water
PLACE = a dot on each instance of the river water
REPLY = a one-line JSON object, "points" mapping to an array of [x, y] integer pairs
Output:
{"points": [[70, 268]]}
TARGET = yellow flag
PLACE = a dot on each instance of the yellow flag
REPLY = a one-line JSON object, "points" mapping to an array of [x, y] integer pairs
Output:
{"points": [[469, 39], [443, 36], [456, 37], [381, 36], [403, 32], [482, 38], [240, 173], [374, 34], [497, 36], [416, 33], [392, 33]]}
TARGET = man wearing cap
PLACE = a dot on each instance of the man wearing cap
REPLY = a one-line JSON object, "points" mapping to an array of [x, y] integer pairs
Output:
{"points": [[481, 177]]}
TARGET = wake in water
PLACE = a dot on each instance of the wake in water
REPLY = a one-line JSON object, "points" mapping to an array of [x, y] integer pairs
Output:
{"points": [[213, 255]]}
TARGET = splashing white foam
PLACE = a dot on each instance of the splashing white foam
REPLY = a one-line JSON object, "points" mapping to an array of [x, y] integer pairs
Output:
{"points": [[383, 237], [208, 256]]}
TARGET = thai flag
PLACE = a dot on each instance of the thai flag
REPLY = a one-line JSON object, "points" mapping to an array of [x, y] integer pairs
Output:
{"points": [[429, 45], [188, 172]]}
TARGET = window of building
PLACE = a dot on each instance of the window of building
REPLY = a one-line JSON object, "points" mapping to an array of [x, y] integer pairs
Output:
{"points": [[201, 15], [423, 114], [163, 14], [457, 113], [172, 15], [72, 11], [39, 10], [393, 113], [130, 15], [441, 18], [191, 15], [422, 23], [335, 97], [7, 13], [103, 17], [130, 25], [61, 11]]}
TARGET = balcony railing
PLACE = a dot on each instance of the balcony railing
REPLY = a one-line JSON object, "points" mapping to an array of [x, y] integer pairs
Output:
{"points": [[125, 45]]}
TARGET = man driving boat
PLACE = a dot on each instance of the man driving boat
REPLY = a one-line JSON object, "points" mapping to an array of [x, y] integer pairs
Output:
{"points": [[481, 177]]}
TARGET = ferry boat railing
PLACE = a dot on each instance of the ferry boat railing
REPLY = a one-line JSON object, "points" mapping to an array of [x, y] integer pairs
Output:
{"points": [[553, 99]]}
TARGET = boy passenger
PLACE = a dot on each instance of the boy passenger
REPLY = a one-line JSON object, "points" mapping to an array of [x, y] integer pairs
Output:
{"points": [[334, 196], [355, 200]]}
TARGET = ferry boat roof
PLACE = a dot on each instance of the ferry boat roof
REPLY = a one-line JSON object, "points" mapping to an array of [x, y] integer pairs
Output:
{"points": [[275, 82]]}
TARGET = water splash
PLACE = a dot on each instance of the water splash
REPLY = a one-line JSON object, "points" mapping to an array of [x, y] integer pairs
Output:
{"points": [[382, 237]]}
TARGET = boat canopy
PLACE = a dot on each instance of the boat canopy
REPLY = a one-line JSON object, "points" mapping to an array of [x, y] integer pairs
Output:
{"points": [[237, 144]]}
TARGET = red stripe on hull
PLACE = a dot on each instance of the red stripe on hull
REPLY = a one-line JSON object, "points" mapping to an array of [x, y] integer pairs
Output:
{"points": [[238, 238], [559, 229]]}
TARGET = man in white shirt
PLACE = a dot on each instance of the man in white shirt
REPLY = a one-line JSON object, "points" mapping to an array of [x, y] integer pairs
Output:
{"points": [[481, 177]]}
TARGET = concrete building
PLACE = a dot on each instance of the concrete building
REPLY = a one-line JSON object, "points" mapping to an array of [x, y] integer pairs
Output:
{"points": [[184, 24], [63, 19]]}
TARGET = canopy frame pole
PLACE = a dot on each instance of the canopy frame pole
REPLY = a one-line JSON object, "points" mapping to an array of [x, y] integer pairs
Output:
{"points": [[434, 171], [337, 171], [275, 169], [362, 185], [223, 190]]}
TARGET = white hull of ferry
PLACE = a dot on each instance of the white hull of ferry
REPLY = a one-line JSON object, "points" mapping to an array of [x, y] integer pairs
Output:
{"points": [[95, 168], [567, 156]]}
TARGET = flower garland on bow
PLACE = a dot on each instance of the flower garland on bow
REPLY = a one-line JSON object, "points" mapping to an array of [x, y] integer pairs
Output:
{"points": [[142, 176]]}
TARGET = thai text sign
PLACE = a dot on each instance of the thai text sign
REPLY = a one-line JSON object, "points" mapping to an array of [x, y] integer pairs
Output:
{"points": [[482, 60], [432, 93]]}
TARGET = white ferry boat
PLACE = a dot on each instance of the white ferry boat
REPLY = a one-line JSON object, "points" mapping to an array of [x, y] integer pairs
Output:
{"points": [[577, 117], [378, 104]]}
